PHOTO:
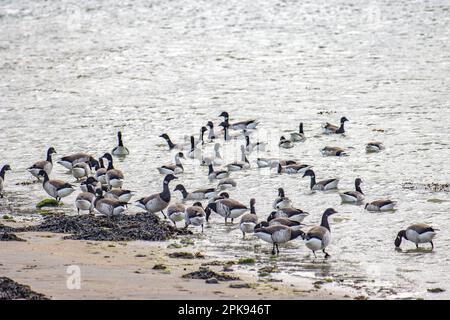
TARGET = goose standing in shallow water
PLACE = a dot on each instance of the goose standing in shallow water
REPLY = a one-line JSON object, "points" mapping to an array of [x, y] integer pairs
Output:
{"points": [[374, 146], [249, 220], [380, 205], [278, 234], [298, 136], [175, 212], [85, 200], [173, 168], [281, 201], [241, 125], [199, 194], [5, 168], [68, 161], [331, 128], [114, 177], [120, 150], [319, 237], [353, 196], [159, 201], [228, 208], [323, 185], [56, 188], [108, 207], [46, 165], [417, 233], [195, 215], [285, 143]]}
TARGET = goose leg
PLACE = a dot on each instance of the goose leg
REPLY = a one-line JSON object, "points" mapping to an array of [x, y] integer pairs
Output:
{"points": [[278, 250], [232, 219], [273, 249], [225, 221], [314, 254], [432, 245], [417, 246], [78, 211], [163, 214], [202, 228], [326, 254], [243, 235]]}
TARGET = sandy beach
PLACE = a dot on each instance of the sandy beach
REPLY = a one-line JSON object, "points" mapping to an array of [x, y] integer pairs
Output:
{"points": [[125, 270]]}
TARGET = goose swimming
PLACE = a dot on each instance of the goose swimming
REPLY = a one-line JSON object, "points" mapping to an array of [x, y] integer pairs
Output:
{"points": [[172, 145], [333, 151], [227, 183], [292, 168], [319, 237], [331, 128], [323, 185], [285, 143], [380, 205], [374, 146], [216, 174], [298, 136], [273, 162], [239, 165], [247, 124], [173, 168], [353, 196], [120, 150], [46, 165], [281, 201]]}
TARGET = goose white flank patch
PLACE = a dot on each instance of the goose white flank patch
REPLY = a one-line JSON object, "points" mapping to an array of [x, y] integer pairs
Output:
{"points": [[120, 150], [353, 196], [277, 234], [85, 200], [81, 170], [285, 143], [298, 136], [329, 128], [249, 220], [175, 212], [281, 201], [417, 233], [333, 151], [56, 188], [108, 207], [293, 214], [319, 237], [114, 177], [159, 201], [292, 168], [241, 125], [374, 146], [173, 168], [120, 194], [228, 208], [46, 165], [68, 161], [5, 168], [239, 165], [195, 215], [217, 174], [323, 185], [380, 205], [199, 194]]}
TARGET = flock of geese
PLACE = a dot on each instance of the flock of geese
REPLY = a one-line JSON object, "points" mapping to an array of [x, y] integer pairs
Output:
{"points": [[102, 186]]}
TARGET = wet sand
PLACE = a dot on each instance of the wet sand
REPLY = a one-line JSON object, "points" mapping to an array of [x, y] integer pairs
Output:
{"points": [[124, 270]]}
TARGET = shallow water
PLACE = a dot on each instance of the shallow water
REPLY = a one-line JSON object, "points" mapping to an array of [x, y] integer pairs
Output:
{"points": [[73, 73]]}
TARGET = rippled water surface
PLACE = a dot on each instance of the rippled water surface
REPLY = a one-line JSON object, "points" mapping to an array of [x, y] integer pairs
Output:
{"points": [[73, 73]]}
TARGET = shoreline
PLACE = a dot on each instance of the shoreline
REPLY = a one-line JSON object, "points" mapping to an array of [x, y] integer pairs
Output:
{"points": [[124, 270]]}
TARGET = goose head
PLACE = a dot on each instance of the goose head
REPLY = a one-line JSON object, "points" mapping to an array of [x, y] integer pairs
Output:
{"points": [[180, 155], [107, 156], [344, 119], [6, 167], [210, 125], [51, 150], [165, 136], [309, 173], [179, 187], [197, 204], [271, 216], [329, 212], [224, 114], [169, 178], [398, 240]]}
